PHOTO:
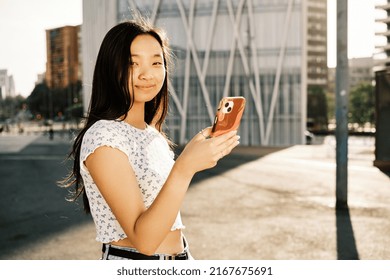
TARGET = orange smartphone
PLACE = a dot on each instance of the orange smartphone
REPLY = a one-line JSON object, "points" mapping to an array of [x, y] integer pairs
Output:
{"points": [[228, 116]]}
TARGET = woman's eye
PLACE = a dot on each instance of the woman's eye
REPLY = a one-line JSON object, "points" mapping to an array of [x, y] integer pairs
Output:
{"points": [[157, 63], [132, 63]]}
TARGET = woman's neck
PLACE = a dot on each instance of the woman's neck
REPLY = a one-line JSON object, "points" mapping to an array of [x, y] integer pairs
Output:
{"points": [[136, 116]]}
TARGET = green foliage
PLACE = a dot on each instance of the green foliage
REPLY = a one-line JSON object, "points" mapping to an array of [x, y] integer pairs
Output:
{"points": [[331, 104], [38, 101], [362, 104], [51, 103], [75, 111], [11, 106], [317, 109]]}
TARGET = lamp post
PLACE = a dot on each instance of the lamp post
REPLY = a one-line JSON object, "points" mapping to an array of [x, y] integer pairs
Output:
{"points": [[342, 92]]}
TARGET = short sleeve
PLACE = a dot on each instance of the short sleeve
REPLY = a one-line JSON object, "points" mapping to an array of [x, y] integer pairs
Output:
{"points": [[102, 133]]}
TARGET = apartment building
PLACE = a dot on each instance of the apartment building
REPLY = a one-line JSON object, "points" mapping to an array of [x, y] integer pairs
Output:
{"points": [[62, 66]]}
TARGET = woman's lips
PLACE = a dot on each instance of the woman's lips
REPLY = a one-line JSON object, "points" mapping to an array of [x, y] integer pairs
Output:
{"points": [[145, 86]]}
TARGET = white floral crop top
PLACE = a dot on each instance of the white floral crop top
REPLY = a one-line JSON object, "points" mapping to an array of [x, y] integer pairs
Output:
{"points": [[149, 155]]}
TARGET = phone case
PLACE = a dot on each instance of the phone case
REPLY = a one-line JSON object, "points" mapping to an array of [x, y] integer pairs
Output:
{"points": [[228, 116]]}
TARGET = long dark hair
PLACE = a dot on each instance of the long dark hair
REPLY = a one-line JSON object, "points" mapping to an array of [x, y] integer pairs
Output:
{"points": [[111, 99]]}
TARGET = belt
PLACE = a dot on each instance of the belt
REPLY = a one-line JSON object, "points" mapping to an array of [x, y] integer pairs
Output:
{"points": [[139, 256]]}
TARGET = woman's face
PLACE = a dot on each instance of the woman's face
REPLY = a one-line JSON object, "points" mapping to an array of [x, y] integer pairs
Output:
{"points": [[147, 68]]}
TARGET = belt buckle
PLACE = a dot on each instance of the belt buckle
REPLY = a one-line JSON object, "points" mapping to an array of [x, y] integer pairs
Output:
{"points": [[167, 257]]}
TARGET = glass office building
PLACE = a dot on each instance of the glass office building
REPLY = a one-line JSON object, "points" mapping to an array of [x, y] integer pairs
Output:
{"points": [[255, 49]]}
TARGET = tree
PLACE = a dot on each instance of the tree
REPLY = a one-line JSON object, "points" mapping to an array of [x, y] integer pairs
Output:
{"points": [[38, 102], [317, 109], [51, 103], [11, 106], [362, 104]]}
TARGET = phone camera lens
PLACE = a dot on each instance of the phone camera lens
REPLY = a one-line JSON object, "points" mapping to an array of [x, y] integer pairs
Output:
{"points": [[227, 107]]}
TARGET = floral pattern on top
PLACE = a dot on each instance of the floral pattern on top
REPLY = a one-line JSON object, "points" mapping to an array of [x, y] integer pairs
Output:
{"points": [[150, 157]]}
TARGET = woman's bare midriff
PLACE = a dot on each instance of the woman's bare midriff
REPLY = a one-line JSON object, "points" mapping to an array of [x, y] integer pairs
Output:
{"points": [[171, 245]]}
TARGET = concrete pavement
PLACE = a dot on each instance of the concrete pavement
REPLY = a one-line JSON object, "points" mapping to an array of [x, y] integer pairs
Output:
{"points": [[281, 206], [258, 203]]}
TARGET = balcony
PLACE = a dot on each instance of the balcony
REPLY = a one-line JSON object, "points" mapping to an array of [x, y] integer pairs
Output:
{"points": [[383, 33], [383, 7], [383, 20]]}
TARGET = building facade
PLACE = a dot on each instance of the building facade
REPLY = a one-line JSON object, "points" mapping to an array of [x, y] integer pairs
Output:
{"points": [[256, 49], [382, 91], [317, 68], [382, 50], [62, 66], [360, 71], [7, 85], [317, 54]]}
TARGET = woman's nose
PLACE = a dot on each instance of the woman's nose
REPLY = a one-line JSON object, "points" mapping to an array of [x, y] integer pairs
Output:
{"points": [[145, 74]]}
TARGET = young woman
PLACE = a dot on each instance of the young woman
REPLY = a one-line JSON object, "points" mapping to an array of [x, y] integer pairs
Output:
{"points": [[123, 164]]}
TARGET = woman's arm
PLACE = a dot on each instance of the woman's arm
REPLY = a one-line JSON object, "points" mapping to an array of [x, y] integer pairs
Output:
{"points": [[115, 178]]}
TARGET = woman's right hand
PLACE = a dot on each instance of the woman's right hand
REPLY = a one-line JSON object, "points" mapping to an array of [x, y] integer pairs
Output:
{"points": [[203, 153]]}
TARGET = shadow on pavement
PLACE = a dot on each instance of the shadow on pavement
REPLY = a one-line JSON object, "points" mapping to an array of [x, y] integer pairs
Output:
{"points": [[346, 243], [239, 156], [33, 206]]}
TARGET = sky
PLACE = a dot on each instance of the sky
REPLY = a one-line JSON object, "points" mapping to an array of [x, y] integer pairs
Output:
{"points": [[23, 38], [23, 42], [361, 28]]}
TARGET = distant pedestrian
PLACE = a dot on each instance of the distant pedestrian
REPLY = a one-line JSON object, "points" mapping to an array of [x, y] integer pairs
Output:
{"points": [[124, 166], [51, 133]]}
